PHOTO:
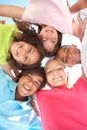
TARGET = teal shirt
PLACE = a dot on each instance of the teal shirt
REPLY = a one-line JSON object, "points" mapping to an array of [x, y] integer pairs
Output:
{"points": [[7, 87], [15, 115], [7, 32]]}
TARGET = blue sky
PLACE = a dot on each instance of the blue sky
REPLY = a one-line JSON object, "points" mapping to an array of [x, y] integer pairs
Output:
{"points": [[21, 3]]}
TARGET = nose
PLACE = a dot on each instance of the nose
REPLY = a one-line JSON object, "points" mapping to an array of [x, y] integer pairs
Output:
{"points": [[49, 36], [55, 72], [70, 55], [23, 52], [30, 83]]}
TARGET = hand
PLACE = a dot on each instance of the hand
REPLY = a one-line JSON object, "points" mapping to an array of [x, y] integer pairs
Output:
{"points": [[82, 25], [34, 105]]}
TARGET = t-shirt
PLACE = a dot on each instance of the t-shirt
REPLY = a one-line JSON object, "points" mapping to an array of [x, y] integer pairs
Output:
{"points": [[7, 88], [54, 13], [64, 109], [7, 32]]}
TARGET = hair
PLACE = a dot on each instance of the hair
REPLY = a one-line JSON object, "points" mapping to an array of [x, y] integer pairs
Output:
{"points": [[56, 59], [57, 46], [39, 71], [31, 37], [26, 25]]}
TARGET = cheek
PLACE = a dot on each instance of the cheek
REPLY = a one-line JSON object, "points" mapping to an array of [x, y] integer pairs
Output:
{"points": [[49, 79]]}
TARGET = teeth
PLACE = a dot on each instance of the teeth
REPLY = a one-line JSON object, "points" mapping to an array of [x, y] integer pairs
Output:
{"points": [[56, 79], [26, 87]]}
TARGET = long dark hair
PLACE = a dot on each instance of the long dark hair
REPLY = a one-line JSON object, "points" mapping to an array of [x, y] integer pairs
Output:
{"points": [[39, 71], [30, 36]]}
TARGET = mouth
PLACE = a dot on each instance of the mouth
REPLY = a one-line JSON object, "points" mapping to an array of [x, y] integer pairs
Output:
{"points": [[27, 88], [56, 79], [75, 57]]}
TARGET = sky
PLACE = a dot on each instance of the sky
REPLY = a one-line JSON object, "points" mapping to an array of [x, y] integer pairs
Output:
{"points": [[22, 3]]}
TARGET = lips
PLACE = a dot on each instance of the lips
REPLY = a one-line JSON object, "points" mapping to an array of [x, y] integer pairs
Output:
{"points": [[55, 79], [75, 58], [27, 88]]}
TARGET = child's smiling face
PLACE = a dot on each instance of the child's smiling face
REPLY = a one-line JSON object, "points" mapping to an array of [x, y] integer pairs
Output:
{"points": [[55, 73]]}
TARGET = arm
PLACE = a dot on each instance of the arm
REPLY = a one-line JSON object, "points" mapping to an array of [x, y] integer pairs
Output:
{"points": [[78, 6], [7, 69], [11, 11], [34, 105]]}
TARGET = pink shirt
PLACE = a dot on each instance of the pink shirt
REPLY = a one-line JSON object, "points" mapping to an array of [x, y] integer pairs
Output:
{"points": [[54, 13], [64, 109]]}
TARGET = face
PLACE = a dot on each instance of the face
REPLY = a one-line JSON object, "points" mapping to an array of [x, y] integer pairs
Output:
{"points": [[29, 84], [69, 55], [50, 37], [24, 53], [55, 73]]}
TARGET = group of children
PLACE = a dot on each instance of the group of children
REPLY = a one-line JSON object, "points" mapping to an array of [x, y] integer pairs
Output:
{"points": [[22, 52]]}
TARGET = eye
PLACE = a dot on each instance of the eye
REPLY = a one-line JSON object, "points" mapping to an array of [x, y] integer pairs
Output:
{"points": [[65, 55], [30, 49], [49, 72], [44, 40], [53, 41], [37, 83]]}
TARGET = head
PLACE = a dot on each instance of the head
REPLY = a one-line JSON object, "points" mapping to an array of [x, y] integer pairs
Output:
{"points": [[26, 50], [55, 73], [51, 40], [69, 54], [30, 81]]}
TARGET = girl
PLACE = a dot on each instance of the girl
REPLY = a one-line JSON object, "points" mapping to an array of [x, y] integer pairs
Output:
{"points": [[62, 108], [20, 48]]}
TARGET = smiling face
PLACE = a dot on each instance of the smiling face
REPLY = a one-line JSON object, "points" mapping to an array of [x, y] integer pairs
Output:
{"points": [[50, 38], [29, 84], [55, 73], [24, 53], [69, 54]]}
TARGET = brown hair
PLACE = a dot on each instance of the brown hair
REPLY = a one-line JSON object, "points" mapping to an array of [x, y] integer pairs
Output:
{"points": [[39, 71], [30, 36]]}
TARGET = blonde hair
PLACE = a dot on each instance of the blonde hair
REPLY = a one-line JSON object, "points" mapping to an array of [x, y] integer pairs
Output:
{"points": [[55, 59]]}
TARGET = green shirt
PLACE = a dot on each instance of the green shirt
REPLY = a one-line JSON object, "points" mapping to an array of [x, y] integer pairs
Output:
{"points": [[7, 32]]}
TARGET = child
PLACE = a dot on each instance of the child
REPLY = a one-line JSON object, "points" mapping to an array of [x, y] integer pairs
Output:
{"points": [[20, 48], [62, 108], [36, 13], [69, 54], [15, 102]]}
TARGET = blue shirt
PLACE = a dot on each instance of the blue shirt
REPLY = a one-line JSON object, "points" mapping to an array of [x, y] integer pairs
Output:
{"points": [[15, 115]]}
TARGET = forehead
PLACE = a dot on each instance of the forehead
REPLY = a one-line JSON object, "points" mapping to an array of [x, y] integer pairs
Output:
{"points": [[53, 64], [63, 47]]}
